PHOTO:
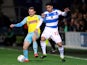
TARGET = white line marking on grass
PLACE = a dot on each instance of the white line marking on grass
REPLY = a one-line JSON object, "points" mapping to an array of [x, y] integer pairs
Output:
{"points": [[10, 49], [71, 57], [49, 54], [75, 57]]}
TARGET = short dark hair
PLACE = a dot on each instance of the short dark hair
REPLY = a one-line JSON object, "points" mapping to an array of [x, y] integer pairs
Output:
{"points": [[32, 8], [49, 3]]}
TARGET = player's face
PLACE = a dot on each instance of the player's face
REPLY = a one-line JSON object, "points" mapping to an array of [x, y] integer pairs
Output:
{"points": [[31, 12], [49, 8]]}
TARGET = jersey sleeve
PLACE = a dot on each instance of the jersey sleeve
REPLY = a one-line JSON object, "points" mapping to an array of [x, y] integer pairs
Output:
{"points": [[44, 19], [21, 23], [61, 13], [40, 21]]}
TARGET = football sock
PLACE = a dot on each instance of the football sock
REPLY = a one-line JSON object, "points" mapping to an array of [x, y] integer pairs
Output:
{"points": [[43, 46], [25, 52], [35, 47], [61, 50]]}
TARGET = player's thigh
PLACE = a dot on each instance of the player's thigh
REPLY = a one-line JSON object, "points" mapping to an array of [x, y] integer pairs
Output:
{"points": [[35, 36], [28, 38], [45, 35], [56, 38]]}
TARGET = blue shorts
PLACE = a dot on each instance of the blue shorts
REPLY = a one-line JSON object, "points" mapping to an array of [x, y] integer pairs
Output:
{"points": [[30, 36]]}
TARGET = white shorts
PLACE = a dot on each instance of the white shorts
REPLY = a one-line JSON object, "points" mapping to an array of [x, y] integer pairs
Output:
{"points": [[51, 33]]}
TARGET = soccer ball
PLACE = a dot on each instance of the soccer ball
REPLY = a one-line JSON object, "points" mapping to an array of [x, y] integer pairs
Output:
{"points": [[21, 58]]}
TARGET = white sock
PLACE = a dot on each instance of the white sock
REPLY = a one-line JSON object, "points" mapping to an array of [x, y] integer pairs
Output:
{"points": [[61, 50], [43, 46]]}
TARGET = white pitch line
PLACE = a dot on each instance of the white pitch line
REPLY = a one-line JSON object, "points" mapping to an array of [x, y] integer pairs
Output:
{"points": [[50, 54], [75, 57], [9, 49], [71, 57]]}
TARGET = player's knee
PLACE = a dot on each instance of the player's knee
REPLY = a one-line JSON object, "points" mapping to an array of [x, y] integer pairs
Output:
{"points": [[34, 38], [59, 44], [43, 39], [24, 48]]}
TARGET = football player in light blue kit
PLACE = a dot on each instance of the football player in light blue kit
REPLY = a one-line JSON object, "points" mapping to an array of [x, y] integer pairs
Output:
{"points": [[32, 22], [51, 29]]}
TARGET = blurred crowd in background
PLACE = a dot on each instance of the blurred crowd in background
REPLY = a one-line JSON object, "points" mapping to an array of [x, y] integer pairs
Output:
{"points": [[77, 18], [75, 21]]}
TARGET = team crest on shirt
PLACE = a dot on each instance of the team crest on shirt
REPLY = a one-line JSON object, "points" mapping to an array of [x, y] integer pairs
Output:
{"points": [[55, 13], [33, 21]]}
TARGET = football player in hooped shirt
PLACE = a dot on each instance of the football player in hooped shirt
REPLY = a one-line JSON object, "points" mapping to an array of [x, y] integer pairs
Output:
{"points": [[33, 31], [51, 29]]}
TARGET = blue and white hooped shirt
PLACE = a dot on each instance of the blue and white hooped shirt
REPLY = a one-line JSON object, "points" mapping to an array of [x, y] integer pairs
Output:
{"points": [[51, 18]]}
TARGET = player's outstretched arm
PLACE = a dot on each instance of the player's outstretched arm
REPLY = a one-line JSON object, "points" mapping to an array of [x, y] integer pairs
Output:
{"points": [[19, 24], [12, 25], [66, 10], [63, 13]]}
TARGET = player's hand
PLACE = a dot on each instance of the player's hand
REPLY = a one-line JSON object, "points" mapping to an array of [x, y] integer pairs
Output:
{"points": [[12, 25], [43, 15], [66, 10]]}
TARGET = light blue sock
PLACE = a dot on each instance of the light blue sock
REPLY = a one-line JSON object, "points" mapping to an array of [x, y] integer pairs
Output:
{"points": [[25, 52], [35, 47]]}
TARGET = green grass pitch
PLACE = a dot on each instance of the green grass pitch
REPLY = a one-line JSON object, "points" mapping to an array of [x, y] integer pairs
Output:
{"points": [[9, 57]]}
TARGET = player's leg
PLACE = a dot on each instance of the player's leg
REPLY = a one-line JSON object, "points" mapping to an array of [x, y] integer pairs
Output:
{"points": [[35, 45], [61, 50], [43, 47], [56, 37], [25, 50], [26, 44], [53, 50], [45, 35]]}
